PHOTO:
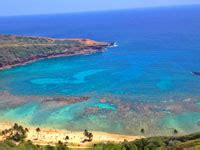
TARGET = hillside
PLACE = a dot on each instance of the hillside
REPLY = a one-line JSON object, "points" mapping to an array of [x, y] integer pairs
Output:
{"points": [[17, 141], [17, 50], [186, 142]]}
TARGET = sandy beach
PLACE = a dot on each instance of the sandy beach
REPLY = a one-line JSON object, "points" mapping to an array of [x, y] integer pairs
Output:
{"points": [[52, 136]]}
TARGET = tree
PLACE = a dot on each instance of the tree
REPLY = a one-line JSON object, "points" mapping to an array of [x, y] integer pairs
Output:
{"points": [[175, 132], [15, 133], [61, 146], [3, 132], [49, 147], [67, 138], [142, 132], [128, 146], [21, 130], [26, 129], [16, 137], [15, 126], [90, 136], [37, 130], [85, 133], [59, 142]]}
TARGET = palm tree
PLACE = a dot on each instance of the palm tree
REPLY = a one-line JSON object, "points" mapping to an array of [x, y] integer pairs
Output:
{"points": [[3, 132], [142, 131], [90, 136], [60, 143], [175, 132], [67, 138], [85, 133], [37, 130], [172, 140], [15, 127], [26, 129]]}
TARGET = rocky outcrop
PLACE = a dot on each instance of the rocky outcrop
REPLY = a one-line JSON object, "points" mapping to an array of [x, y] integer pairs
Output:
{"points": [[8, 100], [196, 73], [63, 101]]}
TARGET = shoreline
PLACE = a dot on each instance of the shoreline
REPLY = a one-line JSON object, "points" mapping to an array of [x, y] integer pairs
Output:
{"points": [[49, 136], [21, 50], [48, 57]]}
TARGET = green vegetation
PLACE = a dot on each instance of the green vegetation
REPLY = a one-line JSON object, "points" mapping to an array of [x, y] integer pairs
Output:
{"points": [[38, 131], [15, 50], [28, 145], [89, 136], [191, 141], [15, 139], [16, 133]]}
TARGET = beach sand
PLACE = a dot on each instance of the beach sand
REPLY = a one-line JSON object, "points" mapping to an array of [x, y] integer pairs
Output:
{"points": [[48, 136]]}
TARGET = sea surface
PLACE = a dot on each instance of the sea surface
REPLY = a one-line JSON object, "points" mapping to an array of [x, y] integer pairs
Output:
{"points": [[144, 82]]}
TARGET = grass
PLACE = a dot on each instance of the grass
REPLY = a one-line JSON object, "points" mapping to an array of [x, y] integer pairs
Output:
{"points": [[191, 141], [9, 145], [152, 143]]}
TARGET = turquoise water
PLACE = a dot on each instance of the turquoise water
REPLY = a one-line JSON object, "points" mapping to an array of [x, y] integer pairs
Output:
{"points": [[76, 79], [24, 112], [105, 106], [198, 103], [157, 50], [183, 121]]}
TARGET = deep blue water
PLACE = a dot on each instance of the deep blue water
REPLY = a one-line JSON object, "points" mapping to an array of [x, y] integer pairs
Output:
{"points": [[157, 50]]}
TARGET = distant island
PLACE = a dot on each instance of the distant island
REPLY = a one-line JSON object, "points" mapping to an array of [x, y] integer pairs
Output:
{"points": [[18, 50]]}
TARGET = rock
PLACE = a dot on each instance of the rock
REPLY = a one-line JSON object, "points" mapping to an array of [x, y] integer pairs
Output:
{"points": [[196, 73]]}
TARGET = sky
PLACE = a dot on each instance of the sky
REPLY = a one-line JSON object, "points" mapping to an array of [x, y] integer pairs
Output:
{"points": [[32, 7]]}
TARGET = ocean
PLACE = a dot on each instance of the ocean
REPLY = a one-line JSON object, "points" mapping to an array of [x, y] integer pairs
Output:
{"points": [[146, 80]]}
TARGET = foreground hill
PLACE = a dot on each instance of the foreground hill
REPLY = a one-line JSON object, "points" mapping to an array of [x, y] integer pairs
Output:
{"points": [[17, 50], [188, 142], [17, 138]]}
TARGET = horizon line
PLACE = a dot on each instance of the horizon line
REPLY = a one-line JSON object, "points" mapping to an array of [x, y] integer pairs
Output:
{"points": [[99, 11]]}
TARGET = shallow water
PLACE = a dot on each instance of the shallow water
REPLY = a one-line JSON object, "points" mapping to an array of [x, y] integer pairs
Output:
{"points": [[157, 50], [183, 121]]}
